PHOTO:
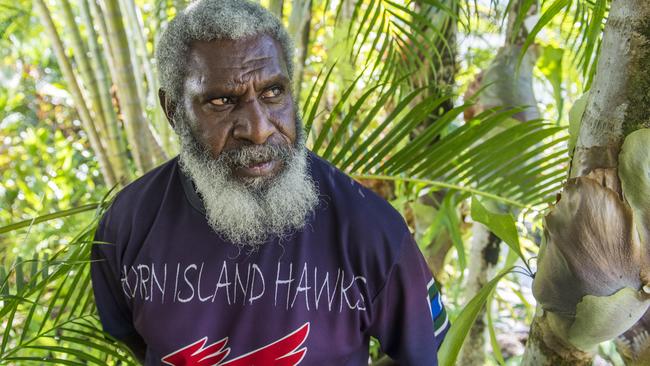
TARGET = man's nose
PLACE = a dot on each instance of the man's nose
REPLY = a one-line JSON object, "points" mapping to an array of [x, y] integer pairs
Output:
{"points": [[253, 124]]}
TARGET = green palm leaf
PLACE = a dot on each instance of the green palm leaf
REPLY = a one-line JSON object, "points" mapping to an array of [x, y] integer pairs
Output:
{"points": [[51, 318], [490, 155]]}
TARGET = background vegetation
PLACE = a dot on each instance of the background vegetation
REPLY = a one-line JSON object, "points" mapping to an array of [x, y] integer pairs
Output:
{"points": [[462, 114]]}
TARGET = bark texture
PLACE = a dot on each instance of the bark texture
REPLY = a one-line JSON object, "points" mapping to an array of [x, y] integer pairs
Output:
{"points": [[619, 99], [545, 349], [592, 280], [483, 257]]}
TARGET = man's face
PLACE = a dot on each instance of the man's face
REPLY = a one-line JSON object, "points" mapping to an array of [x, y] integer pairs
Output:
{"points": [[240, 141], [237, 92]]}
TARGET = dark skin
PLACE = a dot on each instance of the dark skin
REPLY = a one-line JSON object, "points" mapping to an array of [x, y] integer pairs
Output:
{"points": [[238, 92]]}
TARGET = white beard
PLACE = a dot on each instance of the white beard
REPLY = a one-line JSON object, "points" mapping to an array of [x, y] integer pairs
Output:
{"points": [[249, 212]]}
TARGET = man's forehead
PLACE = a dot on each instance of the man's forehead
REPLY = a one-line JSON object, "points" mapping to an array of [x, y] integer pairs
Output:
{"points": [[232, 55]]}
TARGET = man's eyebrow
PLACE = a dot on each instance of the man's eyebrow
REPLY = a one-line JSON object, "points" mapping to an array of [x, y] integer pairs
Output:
{"points": [[233, 87], [278, 78], [224, 89]]}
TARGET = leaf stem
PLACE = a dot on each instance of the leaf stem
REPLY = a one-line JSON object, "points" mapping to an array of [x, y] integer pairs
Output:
{"points": [[441, 185]]}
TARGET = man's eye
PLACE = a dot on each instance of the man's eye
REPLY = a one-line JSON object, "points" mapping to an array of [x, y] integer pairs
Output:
{"points": [[272, 92], [221, 101]]}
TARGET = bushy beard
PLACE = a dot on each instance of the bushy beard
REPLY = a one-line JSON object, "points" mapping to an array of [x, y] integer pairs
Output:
{"points": [[249, 212]]}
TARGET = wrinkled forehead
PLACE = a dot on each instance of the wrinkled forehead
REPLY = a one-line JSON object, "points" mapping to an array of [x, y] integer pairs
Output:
{"points": [[225, 60]]}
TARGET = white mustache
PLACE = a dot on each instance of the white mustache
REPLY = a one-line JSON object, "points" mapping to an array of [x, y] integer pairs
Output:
{"points": [[255, 154]]}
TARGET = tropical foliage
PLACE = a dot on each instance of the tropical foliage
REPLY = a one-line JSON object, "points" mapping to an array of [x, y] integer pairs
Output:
{"points": [[412, 98]]}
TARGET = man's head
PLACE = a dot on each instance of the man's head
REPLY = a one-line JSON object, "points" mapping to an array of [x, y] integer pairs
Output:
{"points": [[225, 69]]}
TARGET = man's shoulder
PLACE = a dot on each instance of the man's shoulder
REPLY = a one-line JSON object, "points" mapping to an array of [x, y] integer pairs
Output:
{"points": [[349, 198], [142, 195]]}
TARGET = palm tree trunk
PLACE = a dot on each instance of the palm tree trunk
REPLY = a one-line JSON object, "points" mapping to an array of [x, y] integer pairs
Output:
{"points": [[275, 6], [591, 284], [75, 91], [137, 47], [89, 82], [142, 64], [116, 147], [146, 152], [299, 24]]}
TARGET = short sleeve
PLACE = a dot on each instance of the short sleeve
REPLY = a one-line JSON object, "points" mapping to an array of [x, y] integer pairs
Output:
{"points": [[409, 319], [110, 298]]}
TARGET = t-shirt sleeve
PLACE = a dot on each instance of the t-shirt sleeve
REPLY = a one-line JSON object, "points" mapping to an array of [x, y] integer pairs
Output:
{"points": [[113, 311], [409, 319]]}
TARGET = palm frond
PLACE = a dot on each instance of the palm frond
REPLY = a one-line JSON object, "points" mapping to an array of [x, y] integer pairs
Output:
{"points": [[584, 38], [412, 36], [489, 155], [50, 318]]}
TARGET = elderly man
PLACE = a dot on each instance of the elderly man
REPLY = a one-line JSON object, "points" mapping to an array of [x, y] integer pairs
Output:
{"points": [[248, 249]]}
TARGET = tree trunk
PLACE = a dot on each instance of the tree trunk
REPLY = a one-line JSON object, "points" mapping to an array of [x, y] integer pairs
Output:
{"points": [[506, 87], [275, 7], [592, 279], [544, 348], [89, 82], [299, 25], [146, 152], [163, 136], [117, 148], [75, 92], [483, 257]]}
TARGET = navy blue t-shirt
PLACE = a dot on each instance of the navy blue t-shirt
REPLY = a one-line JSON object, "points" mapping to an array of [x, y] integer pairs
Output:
{"points": [[352, 272]]}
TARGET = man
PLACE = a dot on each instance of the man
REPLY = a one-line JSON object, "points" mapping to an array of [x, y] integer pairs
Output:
{"points": [[248, 249]]}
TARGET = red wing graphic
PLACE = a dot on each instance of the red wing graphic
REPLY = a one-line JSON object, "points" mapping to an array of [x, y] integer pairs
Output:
{"points": [[197, 355], [283, 352]]}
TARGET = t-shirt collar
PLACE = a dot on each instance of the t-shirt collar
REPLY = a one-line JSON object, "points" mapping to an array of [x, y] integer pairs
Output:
{"points": [[190, 191]]}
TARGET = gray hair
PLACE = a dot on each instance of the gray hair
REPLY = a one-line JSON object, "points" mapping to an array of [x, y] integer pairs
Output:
{"points": [[207, 20]]}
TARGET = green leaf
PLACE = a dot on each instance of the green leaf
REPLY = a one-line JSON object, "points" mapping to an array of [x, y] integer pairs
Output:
{"points": [[440, 184], [502, 225], [20, 276], [4, 281], [594, 31], [496, 349], [52, 216], [544, 19], [463, 323], [452, 222], [311, 115], [550, 64], [633, 170], [600, 318]]}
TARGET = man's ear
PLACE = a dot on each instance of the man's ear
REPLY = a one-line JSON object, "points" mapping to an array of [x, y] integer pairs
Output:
{"points": [[168, 106]]}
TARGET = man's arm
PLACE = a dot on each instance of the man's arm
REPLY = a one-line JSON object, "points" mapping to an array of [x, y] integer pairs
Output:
{"points": [[113, 310], [409, 319]]}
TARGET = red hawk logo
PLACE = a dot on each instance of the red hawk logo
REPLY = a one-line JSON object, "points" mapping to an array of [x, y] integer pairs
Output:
{"points": [[283, 352]]}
